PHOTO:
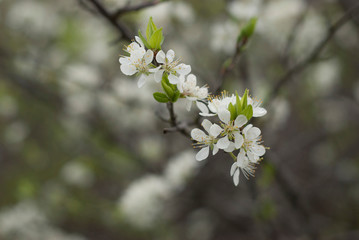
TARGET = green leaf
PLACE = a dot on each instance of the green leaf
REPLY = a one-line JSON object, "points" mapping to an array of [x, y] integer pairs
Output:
{"points": [[143, 39], [167, 88], [232, 110], [156, 39], [151, 27], [244, 100], [238, 104], [160, 97], [176, 96], [248, 112]]}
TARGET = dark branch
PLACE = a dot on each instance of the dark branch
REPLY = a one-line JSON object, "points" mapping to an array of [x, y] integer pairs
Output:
{"points": [[175, 126], [138, 7], [125, 33], [299, 67]]}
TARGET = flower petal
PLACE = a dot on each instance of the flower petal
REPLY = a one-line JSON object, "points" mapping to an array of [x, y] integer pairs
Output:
{"points": [[202, 154], [236, 177], [223, 143], [202, 107], [245, 130], [183, 69], [240, 121], [215, 130], [230, 147], [170, 55], [198, 135], [142, 81], [224, 115], [238, 140], [148, 57], [173, 79], [158, 75], [128, 70], [252, 158], [258, 150], [253, 133], [233, 168], [215, 150], [160, 57], [139, 41], [206, 124], [188, 105], [124, 60], [259, 112]]}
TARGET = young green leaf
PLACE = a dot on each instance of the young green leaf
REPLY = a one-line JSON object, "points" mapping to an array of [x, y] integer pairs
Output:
{"points": [[238, 104], [176, 96], [143, 40], [161, 97], [151, 28], [156, 39], [248, 112], [244, 99], [166, 87], [232, 110]]}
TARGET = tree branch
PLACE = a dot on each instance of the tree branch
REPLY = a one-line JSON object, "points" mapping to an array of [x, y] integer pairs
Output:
{"points": [[299, 67], [118, 13]]}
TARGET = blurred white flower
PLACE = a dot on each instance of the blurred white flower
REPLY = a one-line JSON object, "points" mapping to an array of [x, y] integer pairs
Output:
{"points": [[180, 169], [151, 148], [326, 76], [224, 36], [143, 201], [26, 221], [244, 9], [82, 74], [77, 174]]}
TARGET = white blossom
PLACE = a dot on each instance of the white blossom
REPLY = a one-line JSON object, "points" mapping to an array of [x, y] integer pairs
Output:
{"points": [[171, 66], [231, 131], [251, 144], [206, 141], [188, 87], [242, 164]]}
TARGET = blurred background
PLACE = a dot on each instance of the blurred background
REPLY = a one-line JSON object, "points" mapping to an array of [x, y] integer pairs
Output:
{"points": [[83, 156]]}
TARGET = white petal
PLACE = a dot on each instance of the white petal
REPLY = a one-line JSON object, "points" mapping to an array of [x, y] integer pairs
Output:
{"points": [[140, 42], [245, 130], [173, 79], [170, 55], [188, 105], [206, 124], [240, 121], [192, 80], [258, 150], [124, 60], [230, 147], [252, 158], [202, 154], [215, 149], [158, 75], [215, 130], [202, 107], [238, 140], [198, 135], [236, 177], [154, 70], [148, 57], [241, 156], [253, 133], [183, 69], [142, 81], [160, 57], [223, 143], [233, 168], [224, 115], [128, 69], [259, 112]]}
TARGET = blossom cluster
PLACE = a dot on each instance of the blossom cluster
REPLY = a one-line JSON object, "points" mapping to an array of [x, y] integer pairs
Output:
{"points": [[154, 64], [232, 133]]}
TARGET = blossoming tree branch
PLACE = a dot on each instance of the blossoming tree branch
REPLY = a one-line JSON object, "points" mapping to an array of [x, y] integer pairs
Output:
{"points": [[230, 129]]}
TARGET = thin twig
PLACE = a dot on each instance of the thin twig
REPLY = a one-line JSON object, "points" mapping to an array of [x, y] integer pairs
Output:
{"points": [[127, 9], [125, 33], [175, 126], [299, 67]]}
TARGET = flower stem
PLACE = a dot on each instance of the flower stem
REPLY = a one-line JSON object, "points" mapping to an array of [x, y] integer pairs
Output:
{"points": [[233, 156]]}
